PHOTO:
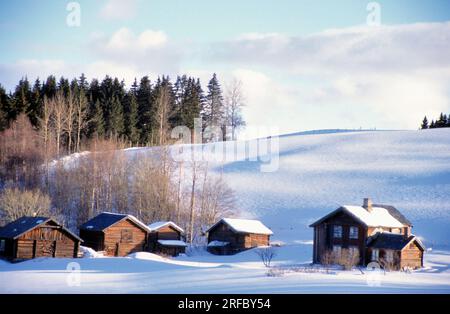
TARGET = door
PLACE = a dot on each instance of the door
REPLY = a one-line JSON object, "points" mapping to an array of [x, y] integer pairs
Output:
{"points": [[45, 248]]}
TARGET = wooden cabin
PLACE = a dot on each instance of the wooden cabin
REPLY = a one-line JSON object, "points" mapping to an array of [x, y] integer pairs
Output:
{"points": [[230, 236], [368, 233], [115, 234], [31, 237], [166, 238]]}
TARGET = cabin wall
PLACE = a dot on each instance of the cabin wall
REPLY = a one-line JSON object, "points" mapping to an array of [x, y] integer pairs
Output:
{"points": [[237, 241], [324, 239], [46, 241], [164, 233], [9, 248], [411, 256], [124, 238], [92, 239]]}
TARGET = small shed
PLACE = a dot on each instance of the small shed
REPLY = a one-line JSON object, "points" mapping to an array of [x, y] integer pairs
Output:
{"points": [[230, 235], [115, 234], [31, 237], [395, 251], [166, 238]]}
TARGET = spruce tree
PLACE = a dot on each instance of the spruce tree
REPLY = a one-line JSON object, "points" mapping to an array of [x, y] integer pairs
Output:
{"points": [[97, 121], [214, 109], [131, 117], [116, 126], [4, 107], [424, 123]]}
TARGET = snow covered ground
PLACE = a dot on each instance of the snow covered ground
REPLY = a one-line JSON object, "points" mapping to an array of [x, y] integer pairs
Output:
{"points": [[316, 174], [205, 273]]}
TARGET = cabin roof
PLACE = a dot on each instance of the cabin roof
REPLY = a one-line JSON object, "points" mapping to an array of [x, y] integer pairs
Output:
{"points": [[160, 224], [392, 241], [244, 226], [172, 242], [105, 220], [395, 213], [386, 216], [15, 229]]}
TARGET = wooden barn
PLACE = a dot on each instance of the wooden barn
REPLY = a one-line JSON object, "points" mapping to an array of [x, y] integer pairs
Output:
{"points": [[31, 237], [166, 238], [368, 233], [115, 234], [230, 236]]}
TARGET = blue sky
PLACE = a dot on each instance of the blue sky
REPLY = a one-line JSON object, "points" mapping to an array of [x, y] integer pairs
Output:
{"points": [[277, 45]]}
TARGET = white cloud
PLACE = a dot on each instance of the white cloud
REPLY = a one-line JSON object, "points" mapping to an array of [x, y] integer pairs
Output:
{"points": [[385, 77], [119, 9], [151, 51]]}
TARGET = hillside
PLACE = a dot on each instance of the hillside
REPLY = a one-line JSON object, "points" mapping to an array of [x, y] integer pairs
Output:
{"points": [[319, 172]]}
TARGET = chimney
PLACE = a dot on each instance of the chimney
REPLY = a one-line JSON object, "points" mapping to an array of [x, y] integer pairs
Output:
{"points": [[368, 204]]}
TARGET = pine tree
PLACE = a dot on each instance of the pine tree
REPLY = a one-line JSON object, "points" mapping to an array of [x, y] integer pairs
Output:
{"points": [[424, 123], [442, 121], [131, 117], [432, 124], [21, 99], [97, 121], [214, 109], [116, 126], [3, 109], [145, 100]]}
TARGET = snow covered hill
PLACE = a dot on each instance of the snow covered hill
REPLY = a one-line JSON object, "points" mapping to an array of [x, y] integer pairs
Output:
{"points": [[319, 171], [316, 173]]}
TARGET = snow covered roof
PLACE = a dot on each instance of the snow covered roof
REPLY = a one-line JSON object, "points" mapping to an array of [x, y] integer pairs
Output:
{"points": [[244, 226], [377, 217], [392, 241], [106, 219], [159, 224], [172, 242], [24, 224], [216, 243]]}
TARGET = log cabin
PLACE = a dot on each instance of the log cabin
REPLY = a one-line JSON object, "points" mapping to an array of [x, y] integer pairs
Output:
{"points": [[166, 238], [230, 235], [31, 237], [115, 234], [368, 233]]}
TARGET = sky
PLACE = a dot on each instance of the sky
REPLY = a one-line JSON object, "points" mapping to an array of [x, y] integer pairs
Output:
{"points": [[303, 64]]}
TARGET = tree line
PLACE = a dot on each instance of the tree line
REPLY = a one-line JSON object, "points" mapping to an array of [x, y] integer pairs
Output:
{"points": [[442, 122], [43, 124], [76, 111]]}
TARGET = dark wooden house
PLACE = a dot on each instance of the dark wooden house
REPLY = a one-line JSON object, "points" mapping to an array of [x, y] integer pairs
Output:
{"points": [[230, 236], [115, 234], [369, 233], [166, 238], [31, 237]]}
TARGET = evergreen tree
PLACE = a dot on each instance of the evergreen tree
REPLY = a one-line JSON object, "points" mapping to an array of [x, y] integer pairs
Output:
{"points": [[21, 99], [4, 108], [432, 124], [214, 109], [144, 98], [34, 110], [97, 125], [116, 126], [424, 123], [131, 118], [49, 87], [442, 121]]}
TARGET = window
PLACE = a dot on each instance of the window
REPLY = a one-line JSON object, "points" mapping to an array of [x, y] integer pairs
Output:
{"points": [[337, 231], [375, 254], [353, 251], [2, 245], [337, 251], [126, 236], [354, 232]]}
